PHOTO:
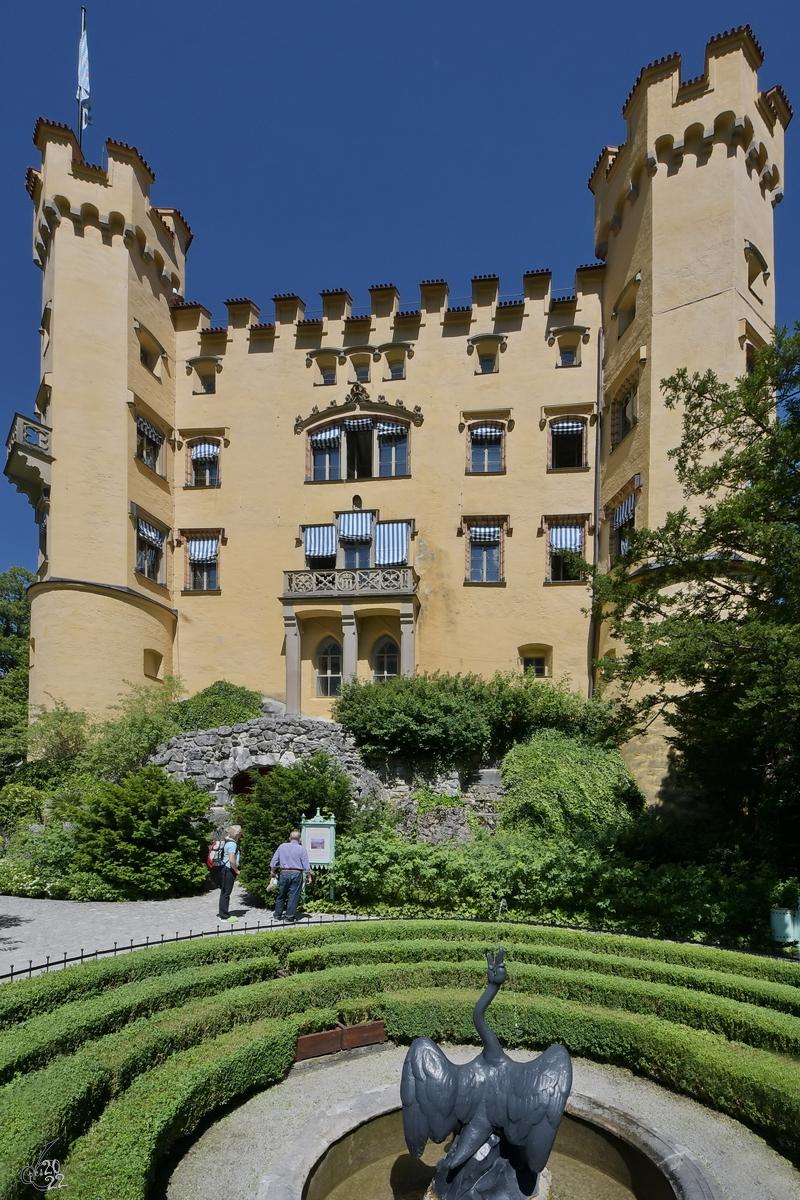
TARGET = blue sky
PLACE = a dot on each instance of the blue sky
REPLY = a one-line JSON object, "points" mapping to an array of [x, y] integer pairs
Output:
{"points": [[315, 145]]}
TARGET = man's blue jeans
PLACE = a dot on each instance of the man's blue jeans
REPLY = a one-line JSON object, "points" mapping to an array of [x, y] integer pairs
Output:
{"points": [[289, 889]]}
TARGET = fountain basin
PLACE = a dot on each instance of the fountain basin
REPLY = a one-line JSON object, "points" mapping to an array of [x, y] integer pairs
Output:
{"points": [[357, 1152]]}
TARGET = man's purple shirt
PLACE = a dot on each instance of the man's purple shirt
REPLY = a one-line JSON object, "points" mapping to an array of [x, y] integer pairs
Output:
{"points": [[291, 856]]}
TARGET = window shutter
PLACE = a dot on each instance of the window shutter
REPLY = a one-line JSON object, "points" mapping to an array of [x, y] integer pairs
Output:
{"points": [[485, 535], [326, 437], [147, 429], [149, 533], [391, 543], [320, 541], [203, 550], [623, 512], [205, 452], [355, 526], [566, 537], [486, 433]]}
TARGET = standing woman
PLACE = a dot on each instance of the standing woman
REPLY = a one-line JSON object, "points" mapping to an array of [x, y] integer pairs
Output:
{"points": [[229, 871]]}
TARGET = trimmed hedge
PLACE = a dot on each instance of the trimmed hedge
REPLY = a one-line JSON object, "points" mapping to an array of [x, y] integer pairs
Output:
{"points": [[43, 993], [778, 996], [31, 1044], [656, 1007], [754, 1086], [116, 1159]]}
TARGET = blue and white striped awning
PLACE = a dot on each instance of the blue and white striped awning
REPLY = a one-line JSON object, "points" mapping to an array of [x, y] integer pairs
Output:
{"points": [[567, 427], [623, 512], [204, 451], [149, 533], [391, 429], [320, 541], [355, 527], [486, 433], [203, 550], [358, 424], [327, 437], [488, 535], [149, 432], [566, 537], [391, 543]]}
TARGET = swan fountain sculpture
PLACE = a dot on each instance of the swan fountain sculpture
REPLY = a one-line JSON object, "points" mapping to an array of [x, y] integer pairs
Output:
{"points": [[504, 1114]]}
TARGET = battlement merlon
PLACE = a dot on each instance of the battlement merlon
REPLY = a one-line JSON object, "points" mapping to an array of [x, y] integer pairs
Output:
{"points": [[114, 199], [668, 118]]}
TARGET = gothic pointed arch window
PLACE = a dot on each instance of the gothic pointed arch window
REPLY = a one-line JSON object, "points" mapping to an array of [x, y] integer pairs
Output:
{"points": [[329, 668], [385, 660]]}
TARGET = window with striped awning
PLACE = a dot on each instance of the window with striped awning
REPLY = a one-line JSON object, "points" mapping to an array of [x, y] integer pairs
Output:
{"points": [[566, 537], [486, 433], [391, 543], [391, 429], [624, 512], [567, 427], [327, 437], [205, 451], [147, 429], [149, 533], [320, 541], [203, 550], [355, 527], [485, 534], [358, 424]]}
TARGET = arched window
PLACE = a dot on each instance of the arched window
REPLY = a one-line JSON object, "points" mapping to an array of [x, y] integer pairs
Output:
{"points": [[203, 464], [329, 668], [386, 660], [624, 414]]}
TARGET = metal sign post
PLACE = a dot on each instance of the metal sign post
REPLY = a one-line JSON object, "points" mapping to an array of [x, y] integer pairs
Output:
{"points": [[318, 836]]}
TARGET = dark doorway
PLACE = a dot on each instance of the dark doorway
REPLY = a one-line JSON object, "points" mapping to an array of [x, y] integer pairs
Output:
{"points": [[242, 784]]}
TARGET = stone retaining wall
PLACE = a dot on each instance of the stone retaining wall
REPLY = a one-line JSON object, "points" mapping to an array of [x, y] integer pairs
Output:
{"points": [[212, 758]]}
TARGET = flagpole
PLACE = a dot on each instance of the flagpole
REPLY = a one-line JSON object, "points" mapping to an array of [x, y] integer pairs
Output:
{"points": [[80, 115]]}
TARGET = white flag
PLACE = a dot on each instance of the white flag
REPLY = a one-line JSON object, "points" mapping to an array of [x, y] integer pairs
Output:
{"points": [[84, 93]]}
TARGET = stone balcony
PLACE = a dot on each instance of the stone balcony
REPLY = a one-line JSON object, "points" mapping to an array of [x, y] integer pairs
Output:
{"points": [[347, 584], [29, 457]]}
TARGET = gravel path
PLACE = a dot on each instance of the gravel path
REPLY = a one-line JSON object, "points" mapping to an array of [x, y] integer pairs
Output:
{"points": [[230, 1157], [32, 929]]}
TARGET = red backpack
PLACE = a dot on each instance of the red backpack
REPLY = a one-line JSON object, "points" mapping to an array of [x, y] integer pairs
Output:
{"points": [[216, 853]]}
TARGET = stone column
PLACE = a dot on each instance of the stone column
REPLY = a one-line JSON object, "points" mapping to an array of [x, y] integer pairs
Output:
{"points": [[349, 643], [292, 631], [407, 631]]}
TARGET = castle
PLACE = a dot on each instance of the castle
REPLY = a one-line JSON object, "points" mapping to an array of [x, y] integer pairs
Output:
{"points": [[377, 490]]}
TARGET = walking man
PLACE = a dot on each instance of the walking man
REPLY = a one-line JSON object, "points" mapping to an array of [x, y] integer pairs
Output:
{"points": [[292, 859], [229, 871]]}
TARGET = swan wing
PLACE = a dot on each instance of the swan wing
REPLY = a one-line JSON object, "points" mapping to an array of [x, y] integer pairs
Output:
{"points": [[429, 1092], [531, 1102]]}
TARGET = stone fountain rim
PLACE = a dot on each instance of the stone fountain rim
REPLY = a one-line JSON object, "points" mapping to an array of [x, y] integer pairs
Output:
{"points": [[684, 1172]]}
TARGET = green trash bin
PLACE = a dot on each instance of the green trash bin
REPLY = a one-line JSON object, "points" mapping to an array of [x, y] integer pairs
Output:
{"points": [[785, 924]]}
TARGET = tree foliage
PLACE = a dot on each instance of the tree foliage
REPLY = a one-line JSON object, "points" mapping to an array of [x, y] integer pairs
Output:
{"points": [[221, 703], [14, 643], [276, 806], [561, 787], [707, 607], [462, 720]]}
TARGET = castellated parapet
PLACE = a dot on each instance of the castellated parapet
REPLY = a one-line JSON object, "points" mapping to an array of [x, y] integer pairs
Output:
{"points": [[366, 491]]}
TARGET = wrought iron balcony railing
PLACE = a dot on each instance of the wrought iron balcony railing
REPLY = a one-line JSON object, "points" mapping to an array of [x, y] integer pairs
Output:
{"points": [[29, 457], [363, 581]]}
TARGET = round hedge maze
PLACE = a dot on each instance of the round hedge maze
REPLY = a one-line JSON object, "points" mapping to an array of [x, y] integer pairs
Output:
{"points": [[116, 1060]]}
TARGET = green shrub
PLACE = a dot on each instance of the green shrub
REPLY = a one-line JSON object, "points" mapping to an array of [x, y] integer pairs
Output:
{"points": [[443, 721], [39, 1039], [562, 787], [141, 836], [221, 703], [123, 743], [37, 859], [20, 805], [116, 1159], [276, 806]]}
